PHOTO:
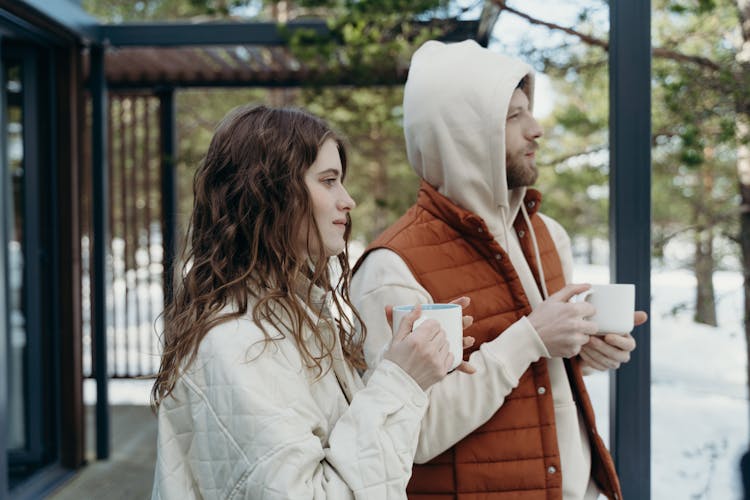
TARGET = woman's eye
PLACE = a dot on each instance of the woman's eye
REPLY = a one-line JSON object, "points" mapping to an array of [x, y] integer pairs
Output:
{"points": [[329, 182]]}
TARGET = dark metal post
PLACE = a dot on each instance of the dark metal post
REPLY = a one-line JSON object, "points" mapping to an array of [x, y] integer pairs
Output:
{"points": [[630, 233], [167, 127], [4, 323], [100, 234], [32, 242]]}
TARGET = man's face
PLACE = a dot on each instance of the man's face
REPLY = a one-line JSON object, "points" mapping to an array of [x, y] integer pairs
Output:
{"points": [[521, 132]]}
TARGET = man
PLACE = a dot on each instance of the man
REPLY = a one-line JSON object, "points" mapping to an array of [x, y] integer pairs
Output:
{"points": [[522, 427]]}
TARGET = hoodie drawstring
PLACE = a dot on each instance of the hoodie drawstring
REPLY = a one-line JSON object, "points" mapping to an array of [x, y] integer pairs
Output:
{"points": [[504, 225], [530, 228]]}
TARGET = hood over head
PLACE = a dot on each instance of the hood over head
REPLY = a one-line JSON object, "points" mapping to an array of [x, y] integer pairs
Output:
{"points": [[455, 107]]}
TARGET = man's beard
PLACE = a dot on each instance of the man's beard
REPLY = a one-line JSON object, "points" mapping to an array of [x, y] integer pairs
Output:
{"points": [[519, 171]]}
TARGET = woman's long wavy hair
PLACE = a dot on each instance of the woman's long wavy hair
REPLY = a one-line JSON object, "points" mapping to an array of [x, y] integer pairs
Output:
{"points": [[250, 205]]}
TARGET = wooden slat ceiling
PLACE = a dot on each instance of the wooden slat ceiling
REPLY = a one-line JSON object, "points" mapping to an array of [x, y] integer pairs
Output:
{"points": [[241, 65]]}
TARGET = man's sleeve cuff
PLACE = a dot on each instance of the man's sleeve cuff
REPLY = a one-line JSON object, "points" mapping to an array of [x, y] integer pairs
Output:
{"points": [[516, 348]]}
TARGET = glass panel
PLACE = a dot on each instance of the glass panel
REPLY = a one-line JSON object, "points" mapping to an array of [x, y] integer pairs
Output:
{"points": [[17, 346]]}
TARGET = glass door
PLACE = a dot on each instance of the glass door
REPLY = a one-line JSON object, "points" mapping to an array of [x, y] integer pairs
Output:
{"points": [[17, 439], [29, 189]]}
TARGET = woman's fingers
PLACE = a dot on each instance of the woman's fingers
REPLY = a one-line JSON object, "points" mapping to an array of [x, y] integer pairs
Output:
{"points": [[389, 315], [407, 324], [466, 368], [462, 301]]}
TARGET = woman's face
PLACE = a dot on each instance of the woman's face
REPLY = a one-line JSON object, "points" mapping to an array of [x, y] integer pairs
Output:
{"points": [[330, 203]]}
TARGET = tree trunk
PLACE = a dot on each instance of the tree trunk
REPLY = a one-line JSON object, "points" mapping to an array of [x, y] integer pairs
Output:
{"points": [[705, 302], [743, 159], [704, 264]]}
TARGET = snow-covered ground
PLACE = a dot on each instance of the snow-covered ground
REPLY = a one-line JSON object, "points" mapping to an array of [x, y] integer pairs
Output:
{"points": [[699, 399], [699, 392]]}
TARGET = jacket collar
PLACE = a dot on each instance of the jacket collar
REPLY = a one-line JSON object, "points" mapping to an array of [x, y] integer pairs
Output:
{"points": [[460, 219], [319, 305]]}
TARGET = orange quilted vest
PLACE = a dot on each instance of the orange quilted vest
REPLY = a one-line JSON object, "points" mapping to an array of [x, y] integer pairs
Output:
{"points": [[514, 455]]}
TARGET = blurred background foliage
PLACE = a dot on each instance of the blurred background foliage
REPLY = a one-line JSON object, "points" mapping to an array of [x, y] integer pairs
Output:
{"points": [[699, 101], [364, 35], [700, 96]]}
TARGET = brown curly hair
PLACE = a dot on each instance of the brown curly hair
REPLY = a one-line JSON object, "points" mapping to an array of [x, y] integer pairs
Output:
{"points": [[250, 204]]}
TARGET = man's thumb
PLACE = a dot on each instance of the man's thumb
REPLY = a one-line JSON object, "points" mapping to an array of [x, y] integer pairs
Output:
{"points": [[569, 291]]}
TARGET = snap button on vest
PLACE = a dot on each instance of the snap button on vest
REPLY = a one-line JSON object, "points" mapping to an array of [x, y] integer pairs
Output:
{"points": [[541, 390]]}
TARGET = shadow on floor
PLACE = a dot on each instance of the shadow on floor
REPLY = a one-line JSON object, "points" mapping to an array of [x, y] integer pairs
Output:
{"points": [[129, 473]]}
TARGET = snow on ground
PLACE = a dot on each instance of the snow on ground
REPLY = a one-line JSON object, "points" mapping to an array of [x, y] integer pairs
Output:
{"points": [[699, 393], [699, 402]]}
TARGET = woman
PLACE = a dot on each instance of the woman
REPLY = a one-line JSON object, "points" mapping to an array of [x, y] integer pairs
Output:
{"points": [[257, 393]]}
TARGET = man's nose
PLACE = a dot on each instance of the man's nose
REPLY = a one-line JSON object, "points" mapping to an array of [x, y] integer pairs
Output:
{"points": [[535, 130]]}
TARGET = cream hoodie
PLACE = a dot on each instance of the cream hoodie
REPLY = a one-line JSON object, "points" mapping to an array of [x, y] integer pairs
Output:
{"points": [[455, 105]]}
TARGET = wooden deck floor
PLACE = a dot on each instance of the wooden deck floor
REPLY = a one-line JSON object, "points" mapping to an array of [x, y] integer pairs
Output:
{"points": [[129, 473]]}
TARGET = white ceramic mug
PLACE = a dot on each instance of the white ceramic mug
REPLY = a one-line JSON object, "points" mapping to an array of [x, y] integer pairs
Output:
{"points": [[450, 318], [615, 306]]}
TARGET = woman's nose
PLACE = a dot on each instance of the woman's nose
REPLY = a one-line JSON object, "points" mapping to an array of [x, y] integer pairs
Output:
{"points": [[347, 202]]}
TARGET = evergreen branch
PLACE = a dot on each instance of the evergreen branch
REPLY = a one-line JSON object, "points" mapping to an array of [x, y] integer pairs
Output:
{"points": [[732, 237], [602, 147], [712, 222], [597, 42], [664, 239], [662, 133], [604, 44], [576, 154], [678, 56]]}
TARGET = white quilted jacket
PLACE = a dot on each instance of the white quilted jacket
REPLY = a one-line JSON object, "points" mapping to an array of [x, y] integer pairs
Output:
{"points": [[248, 422]]}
